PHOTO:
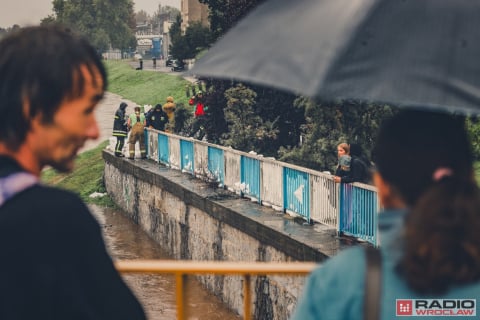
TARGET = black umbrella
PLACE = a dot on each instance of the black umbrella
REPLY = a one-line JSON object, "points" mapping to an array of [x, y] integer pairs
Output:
{"points": [[404, 52]]}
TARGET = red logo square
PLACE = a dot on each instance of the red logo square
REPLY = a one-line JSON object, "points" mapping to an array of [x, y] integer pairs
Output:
{"points": [[404, 307]]}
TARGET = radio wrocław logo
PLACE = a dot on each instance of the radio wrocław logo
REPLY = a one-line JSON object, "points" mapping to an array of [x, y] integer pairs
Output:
{"points": [[437, 307]]}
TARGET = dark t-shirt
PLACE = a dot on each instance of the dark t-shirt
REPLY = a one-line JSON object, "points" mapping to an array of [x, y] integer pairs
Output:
{"points": [[54, 262]]}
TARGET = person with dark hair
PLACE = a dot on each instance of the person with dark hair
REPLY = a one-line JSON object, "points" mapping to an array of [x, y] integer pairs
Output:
{"points": [[156, 118], [120, 129], [54, 261], [361, 166], [430, 244]]}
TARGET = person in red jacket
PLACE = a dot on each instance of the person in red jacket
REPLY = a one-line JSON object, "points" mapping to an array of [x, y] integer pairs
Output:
{"points": [[199, 105], [199, 114]]}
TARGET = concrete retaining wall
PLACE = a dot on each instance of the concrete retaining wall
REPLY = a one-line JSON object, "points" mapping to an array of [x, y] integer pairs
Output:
{"points": [[195, 221]]}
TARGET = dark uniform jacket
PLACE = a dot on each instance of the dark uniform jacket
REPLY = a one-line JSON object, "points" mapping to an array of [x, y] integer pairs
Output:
{"points": [[54, 264], [120, 123], [157, 119]]}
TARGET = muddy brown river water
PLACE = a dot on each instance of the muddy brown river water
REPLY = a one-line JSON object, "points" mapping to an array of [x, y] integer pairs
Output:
{"points": [[126, 240]]}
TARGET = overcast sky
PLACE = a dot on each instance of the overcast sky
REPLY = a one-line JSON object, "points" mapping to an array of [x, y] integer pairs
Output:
{"points": [[23, 12]]}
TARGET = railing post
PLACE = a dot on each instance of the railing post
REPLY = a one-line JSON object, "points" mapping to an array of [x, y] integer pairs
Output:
{"points": [[246, 297], [180, 295]]}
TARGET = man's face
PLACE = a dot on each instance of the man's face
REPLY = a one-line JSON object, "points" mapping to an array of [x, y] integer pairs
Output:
{"points": [[56, 144]]}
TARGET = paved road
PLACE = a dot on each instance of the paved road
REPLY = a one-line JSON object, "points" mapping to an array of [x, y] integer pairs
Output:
{"points": [[148, 66]]}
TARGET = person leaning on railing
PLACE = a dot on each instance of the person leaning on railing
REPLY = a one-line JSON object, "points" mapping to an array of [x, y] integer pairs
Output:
{"points": [[358, 165], [430, 243]]}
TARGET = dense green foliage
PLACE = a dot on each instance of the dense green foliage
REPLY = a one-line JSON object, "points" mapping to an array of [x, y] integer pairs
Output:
{"points": [[260, 119], [86, 178], [105, 23]]}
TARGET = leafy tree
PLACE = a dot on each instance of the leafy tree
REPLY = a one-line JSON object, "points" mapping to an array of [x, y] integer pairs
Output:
{"points": [[104, 22], [223, 14], [215, 101], [178, 47], [4, 32], [141, 17], [246, 129], [164, 13], [47, 20], [196, 38], [277, 107]]}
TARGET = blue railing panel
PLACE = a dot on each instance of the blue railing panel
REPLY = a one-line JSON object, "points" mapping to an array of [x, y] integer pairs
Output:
{"points": [[358, 212], [187, 156], [163, 149], [250, 177], [297, 192], [216, 164]]}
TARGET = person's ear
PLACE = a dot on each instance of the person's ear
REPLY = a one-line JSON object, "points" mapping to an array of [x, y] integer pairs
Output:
{"points": [[387, 195]]}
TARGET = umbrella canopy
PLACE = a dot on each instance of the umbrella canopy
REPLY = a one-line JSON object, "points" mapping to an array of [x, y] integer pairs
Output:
{"points": [[423, 53]]}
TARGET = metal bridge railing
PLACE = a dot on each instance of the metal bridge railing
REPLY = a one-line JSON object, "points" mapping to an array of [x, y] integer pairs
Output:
{"points": [[182, 268], [313, 195]]}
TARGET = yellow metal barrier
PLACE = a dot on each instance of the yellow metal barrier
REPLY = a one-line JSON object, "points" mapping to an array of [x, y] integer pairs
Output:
{"points": [[182, 268]]}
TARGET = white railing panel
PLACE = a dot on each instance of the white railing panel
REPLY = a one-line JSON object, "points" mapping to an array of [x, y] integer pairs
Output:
{"points": [[174, 151], [232, 170], [152, 145], [324, 199], [272, 184], [201, 159]]}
